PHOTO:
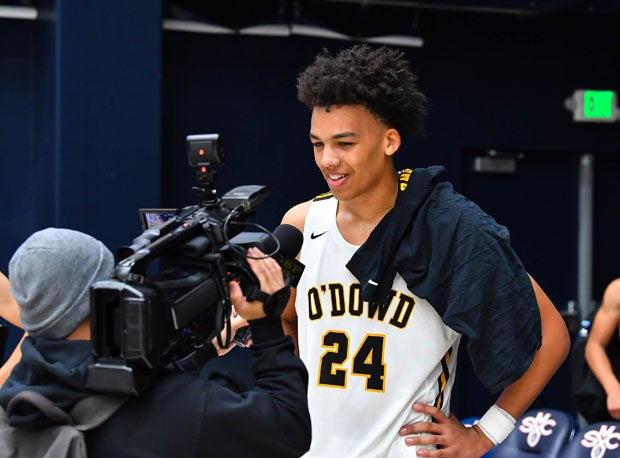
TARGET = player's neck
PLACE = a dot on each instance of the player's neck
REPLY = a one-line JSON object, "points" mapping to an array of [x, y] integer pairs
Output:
{"points": [[357, 218]]}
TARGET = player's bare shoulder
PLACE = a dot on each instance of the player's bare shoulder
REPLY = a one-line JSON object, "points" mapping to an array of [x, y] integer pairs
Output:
{"points": [[296, 216], [611, 298]]}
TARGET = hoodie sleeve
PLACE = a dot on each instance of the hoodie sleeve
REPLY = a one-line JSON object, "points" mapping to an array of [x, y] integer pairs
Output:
{"points": [[271, 418], [476, 282], [457, 257], [373, 263]]}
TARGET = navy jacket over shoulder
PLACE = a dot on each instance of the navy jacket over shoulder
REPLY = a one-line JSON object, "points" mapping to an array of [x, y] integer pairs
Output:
{"points": [[457, 257]]}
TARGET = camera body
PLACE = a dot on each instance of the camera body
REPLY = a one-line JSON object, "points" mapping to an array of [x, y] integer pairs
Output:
{"points": [[168, 296]]}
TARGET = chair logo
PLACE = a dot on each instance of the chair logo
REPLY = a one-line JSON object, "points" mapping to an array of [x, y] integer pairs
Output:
{"points": [[606, 438], [537, 427]]}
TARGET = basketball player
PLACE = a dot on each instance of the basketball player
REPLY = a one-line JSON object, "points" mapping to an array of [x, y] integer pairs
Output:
{"points": [[398, 267]]}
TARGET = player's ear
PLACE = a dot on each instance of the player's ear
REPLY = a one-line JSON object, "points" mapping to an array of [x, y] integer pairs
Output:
{"points": [[392, 141]]}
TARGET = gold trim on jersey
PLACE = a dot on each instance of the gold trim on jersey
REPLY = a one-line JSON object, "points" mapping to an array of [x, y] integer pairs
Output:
{"points": [[325, 195], [403, 181], [442, 380], [403, 178]]}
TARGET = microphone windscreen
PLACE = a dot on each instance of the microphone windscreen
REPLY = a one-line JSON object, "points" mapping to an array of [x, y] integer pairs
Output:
{"points": [[290, 239]]}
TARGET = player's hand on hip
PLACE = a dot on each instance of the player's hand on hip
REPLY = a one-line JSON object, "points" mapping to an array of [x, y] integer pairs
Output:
{"points": [[450, 438]]}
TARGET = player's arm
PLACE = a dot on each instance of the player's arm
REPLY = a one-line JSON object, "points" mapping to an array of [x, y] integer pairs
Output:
{"points": [[289, 319], [456, 440], [518, 397], [605, 324], [296, 216]]}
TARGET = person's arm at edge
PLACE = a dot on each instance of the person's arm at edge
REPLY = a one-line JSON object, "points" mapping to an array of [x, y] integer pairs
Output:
{"points": [[11, 361], [10, 312], [454, 438], [296, 217], [604, 325], [8, 307]]}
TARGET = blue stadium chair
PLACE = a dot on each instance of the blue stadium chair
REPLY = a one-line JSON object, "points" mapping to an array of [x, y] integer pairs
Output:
{"points": [[597, 440], [541, 433], [470, 421]]}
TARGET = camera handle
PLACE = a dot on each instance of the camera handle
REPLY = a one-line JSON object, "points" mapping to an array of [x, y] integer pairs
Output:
{"points": [[206, 178], [223, 310]]}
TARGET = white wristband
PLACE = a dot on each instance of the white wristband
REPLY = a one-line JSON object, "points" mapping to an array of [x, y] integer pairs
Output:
{"points": [[496, 424]]}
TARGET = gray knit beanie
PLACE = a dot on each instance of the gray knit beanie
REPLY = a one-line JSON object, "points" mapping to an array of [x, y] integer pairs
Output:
{"points": [[50, 275]]}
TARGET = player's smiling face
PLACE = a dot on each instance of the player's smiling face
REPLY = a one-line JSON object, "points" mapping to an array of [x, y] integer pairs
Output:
{"points": [[352, 148]]}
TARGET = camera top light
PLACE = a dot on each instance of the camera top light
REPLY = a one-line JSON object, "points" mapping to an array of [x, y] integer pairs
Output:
{"points": [[204, 150]]}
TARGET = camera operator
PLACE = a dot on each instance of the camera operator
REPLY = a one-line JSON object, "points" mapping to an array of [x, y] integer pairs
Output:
{"points": [[183, 413]]}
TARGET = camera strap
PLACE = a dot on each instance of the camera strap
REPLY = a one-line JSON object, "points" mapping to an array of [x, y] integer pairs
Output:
{"points": [[273, 304]]}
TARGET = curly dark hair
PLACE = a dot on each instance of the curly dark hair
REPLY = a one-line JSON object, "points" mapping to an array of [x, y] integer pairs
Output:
{"points": [[379, 79]]}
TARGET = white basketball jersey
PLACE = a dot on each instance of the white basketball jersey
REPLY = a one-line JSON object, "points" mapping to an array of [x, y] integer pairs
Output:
{"points": [[368, 363]]}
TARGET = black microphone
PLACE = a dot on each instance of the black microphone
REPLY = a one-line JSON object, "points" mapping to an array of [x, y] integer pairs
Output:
{"points": [[290, 239], [282, 244]]}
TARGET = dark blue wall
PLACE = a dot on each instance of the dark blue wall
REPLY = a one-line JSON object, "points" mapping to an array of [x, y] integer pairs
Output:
{"points": [[17, 131], [80, 119]]}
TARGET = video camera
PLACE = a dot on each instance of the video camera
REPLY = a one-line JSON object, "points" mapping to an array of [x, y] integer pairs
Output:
{"points": [[169, 293]]}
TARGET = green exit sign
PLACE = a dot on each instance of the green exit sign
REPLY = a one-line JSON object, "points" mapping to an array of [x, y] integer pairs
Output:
{"points": [[591, 105], [598, 104]]}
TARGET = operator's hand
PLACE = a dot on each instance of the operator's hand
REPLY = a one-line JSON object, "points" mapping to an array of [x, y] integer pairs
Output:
{"points": [[236, 322], [269, 274], [451, 438]]}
